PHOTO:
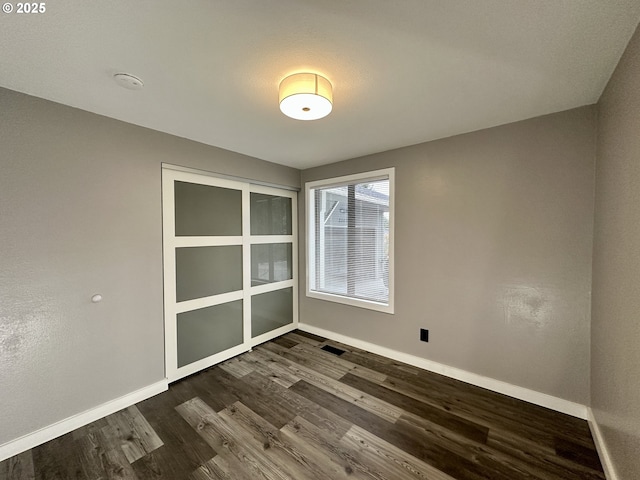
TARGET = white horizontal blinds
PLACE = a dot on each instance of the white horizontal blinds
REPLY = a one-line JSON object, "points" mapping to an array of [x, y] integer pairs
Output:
{"points": [[351, 240]]}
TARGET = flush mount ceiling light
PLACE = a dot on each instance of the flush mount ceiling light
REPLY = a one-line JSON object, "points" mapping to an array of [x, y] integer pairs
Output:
{"points": [[306, 96]]}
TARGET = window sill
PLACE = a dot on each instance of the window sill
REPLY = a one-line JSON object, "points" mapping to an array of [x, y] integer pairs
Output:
{"points": [[353, 302]]}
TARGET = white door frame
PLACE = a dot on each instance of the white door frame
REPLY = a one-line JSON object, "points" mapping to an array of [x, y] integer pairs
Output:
{"points": [[170, 242]]}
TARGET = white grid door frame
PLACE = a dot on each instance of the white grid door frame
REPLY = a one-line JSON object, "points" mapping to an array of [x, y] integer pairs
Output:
{"points": [[267, 239], [170, 242]]}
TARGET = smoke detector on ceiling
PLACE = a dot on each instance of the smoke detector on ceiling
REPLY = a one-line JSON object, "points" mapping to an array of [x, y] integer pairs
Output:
{"points": [[128, 81]]}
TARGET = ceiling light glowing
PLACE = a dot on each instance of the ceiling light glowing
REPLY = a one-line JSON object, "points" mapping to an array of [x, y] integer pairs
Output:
{"points": [[306, 96]]}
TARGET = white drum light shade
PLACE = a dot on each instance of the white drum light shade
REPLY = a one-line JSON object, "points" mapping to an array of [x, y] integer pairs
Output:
{"points": [[306, 96]]}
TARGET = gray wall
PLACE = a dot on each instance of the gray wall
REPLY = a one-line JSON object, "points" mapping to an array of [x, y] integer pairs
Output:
{"points": [[493, 253], [80, 213], [615, 337]]}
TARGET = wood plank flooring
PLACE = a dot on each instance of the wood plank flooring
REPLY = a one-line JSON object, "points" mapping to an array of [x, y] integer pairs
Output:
{"points": [[303, 407]]}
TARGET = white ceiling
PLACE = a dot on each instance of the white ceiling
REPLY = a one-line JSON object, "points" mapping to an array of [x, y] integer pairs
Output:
{"points": [[404, 71]]}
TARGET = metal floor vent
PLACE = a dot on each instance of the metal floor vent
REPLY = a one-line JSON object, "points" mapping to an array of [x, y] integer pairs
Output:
{"points": [[334, 350]]}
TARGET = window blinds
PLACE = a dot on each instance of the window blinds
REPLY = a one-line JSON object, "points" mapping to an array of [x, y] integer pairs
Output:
{"points": [[349, 240]]}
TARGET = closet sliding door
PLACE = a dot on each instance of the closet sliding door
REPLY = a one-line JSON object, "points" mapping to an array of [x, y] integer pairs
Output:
{"points": [[229, 268], [274, 263]]}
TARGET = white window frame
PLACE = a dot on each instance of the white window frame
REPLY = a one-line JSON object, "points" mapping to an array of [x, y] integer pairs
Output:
{"points": [[387, 173]]}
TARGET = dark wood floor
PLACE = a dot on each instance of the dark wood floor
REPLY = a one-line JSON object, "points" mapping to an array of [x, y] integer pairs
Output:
{"points": [[302, 407]]}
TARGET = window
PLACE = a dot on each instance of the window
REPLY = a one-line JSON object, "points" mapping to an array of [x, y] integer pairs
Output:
{"points": [[350, 240]]}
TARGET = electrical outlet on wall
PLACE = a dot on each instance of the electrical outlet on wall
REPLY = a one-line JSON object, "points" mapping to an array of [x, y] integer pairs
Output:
{"points": [[424, 335]]}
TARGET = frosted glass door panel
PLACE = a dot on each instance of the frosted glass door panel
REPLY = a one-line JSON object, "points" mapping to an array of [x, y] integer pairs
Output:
{"points": [[208, 331], [270, 263], [271, 310], [270, 215], [205, 271], [204, 210], [228, 247]]}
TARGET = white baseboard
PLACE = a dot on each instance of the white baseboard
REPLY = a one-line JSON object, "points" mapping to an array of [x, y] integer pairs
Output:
{"points": [[67, 425], [531, 396], [601, 446]]}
